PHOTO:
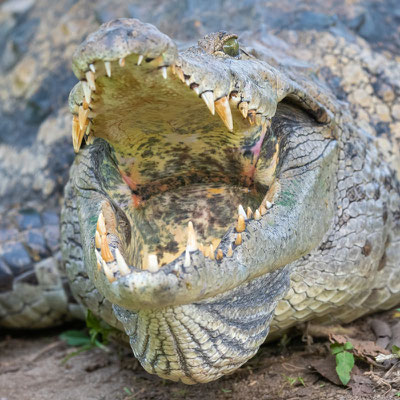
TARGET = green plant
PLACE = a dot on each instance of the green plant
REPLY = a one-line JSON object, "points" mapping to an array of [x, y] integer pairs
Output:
{"points": [[344, 360], [96, 334], [294, 380]]}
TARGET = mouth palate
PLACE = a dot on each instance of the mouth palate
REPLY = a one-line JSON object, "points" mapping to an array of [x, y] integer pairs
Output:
{"points": [[191, 175]]}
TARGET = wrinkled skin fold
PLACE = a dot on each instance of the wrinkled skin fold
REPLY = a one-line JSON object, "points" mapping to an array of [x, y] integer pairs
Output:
{"points": [[206, 196]]}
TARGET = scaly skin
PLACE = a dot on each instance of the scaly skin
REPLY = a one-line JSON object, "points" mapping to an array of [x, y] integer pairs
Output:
{"points": [[336, 281], [331, 230]]}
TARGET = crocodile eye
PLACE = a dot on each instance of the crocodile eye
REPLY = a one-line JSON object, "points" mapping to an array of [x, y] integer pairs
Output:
{"points": [[231, 47]]}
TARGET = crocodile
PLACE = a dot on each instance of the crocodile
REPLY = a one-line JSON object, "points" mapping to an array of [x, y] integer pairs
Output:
{"points": [[218, 196]]}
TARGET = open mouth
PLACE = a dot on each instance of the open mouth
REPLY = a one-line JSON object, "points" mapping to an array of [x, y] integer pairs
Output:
{"points": [[196, 144]]}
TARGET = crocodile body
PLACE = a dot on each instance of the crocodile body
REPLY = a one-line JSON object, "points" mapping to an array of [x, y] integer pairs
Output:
{"points": [[296, 142]]}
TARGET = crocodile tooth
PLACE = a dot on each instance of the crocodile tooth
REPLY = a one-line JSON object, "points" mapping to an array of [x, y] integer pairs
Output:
{"points": [[121, 263], [230, 251], [249, 212], [140, 59], [224, 111], [201, 248], [90, 80], [101, 224], [212, 252], [180, 74], [121, 62], [77, 134], [257, 215], [187, 258], [251, 116], [241, 211], [208, 98], [244, 108], [173, 69], [196, 90], [108, 273], [92, 68], [152, 263], [97, 239], [82, 116], [263, 210], [191, 242], [106, 254], [268, 205], [164, 72], [238, 240], [87, 92], [241, 225], [107, 66], [220, 254]]}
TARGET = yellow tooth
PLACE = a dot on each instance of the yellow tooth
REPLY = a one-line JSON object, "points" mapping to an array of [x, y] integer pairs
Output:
{"points": [[238, 240], [241, 225], [173, 69], [191, 241], [164, 72], [244, 108], [187, 258], [251, 117], [220, 254], [97, 239], [92, 68], [140, 59], [241, 211], [212, 252], [77, 134], [108, 273], [230, 251], [106, 254], [257, 215], [249, 212], [180, 74], [224, 111], [201, 247], [263, 210], [152, 263], [90, 80], [107, 66], [208, 98], [101, 224], [121, 62], [121, 263], [87, 92], [82, 116]]}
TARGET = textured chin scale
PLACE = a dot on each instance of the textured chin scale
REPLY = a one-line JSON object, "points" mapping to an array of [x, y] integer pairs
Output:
{"points": [[199, 342]]}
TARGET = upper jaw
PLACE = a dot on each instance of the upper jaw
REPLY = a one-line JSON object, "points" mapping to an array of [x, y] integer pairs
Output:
{"points": [[264, 243]]}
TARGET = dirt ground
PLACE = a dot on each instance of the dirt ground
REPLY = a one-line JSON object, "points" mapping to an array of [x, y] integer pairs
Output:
{"points": [[31, 368]]}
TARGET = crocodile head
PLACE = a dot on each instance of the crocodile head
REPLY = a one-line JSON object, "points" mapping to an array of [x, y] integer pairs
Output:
{"points": [[205, 173]]}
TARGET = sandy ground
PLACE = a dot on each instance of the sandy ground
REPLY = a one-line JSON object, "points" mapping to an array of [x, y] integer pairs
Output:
{"points": [[31, 368]]}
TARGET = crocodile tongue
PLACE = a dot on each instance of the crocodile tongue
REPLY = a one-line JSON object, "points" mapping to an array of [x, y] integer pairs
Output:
{"points": [[180, 162]]}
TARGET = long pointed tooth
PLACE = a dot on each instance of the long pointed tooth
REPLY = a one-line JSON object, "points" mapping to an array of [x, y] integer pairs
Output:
{"points": [[97, 239], [164, 72], [241, 225], [106, 254], [121, 263], [140, 59], [212, 252], [208, 98], [224, 111], [191, 241], [101, 224], [263, 210], [196, 90], [257, 215], [108, 273], [180, 74], [121, 62], [244, 108], [87, 92], [92, 68], [249, 212], [107, 66], [268, 204], [77, 134], [90, 80], [201, 248], [152, 263], [82, 116], [241, 211], [238, 240], [187, 258], [220, 254], [230, 251]]}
